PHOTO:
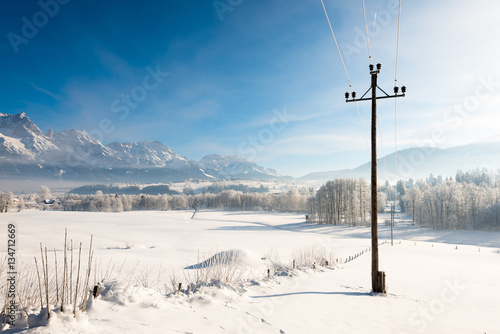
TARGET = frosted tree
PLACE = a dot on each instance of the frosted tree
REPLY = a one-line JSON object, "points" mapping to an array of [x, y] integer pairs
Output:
{"points": [[21, 205], [490, 219], [364, 200], [44, 193], [178, 202], [381, 201], [292, 201], [401, 192], [100, 202], [460, 203], [126, 203], [476, 197], [6, 201], [163, 202], [412, 201], [117, 204]]}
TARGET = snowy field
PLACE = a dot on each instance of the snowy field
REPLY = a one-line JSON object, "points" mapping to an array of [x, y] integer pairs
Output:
{"points": [[438, 281]]}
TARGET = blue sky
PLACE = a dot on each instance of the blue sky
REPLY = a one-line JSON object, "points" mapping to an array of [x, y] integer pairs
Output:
{"points": [[262, 79]]}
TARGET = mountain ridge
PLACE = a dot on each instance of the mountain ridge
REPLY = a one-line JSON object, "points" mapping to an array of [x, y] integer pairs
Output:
{"points": [[419, 162], [26, 151]]}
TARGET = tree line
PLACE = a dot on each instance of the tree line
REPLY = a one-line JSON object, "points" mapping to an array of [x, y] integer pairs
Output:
{"points": [[164, 189], [291, 201], [470, 201]]}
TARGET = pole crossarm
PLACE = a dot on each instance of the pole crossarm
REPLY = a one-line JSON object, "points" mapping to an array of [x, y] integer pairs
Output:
{"points": [[374, 73], [377, 98]]}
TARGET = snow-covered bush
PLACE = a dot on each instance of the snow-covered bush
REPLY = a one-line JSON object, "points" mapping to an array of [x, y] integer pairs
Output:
{"points": [[313, 257]]}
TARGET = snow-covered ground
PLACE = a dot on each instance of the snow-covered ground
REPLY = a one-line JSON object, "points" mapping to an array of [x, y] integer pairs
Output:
{"points": [[438, 281]]}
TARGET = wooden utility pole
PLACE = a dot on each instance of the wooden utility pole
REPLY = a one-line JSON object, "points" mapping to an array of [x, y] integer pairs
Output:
{"points": [[378, 278], [374, 215]]}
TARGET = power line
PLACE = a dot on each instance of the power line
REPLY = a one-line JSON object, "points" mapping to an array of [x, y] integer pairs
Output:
{"points": [[336, 44], [362, 127], [397, 42], [396, 107], [396, 124], [367, 38], [345, 70]]}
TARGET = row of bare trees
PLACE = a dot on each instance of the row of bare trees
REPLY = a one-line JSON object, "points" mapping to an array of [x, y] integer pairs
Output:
{"points": [[452, 205], [343, 201]]}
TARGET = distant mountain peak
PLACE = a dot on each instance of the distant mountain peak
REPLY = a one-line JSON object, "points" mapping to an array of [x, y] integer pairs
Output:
{"points": [[22, 138], [19, 124], [218, 158], [148, 153], [234, 166]]}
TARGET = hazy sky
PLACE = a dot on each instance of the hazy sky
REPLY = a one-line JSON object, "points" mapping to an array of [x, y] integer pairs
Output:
{"points": [[262, 79]]}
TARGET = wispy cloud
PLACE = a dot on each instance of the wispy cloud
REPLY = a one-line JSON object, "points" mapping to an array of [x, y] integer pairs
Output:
{"points": [[45, 91]]}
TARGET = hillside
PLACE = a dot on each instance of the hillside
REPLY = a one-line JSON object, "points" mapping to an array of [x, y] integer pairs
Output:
{"points": [[419, 162]]}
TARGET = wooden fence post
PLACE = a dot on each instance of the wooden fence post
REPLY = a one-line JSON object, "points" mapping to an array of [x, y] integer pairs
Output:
{"points": [[95, 292]]}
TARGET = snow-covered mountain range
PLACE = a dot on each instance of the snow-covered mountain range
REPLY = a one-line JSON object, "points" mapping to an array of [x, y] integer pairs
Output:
{"points": [[25, 151]]}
